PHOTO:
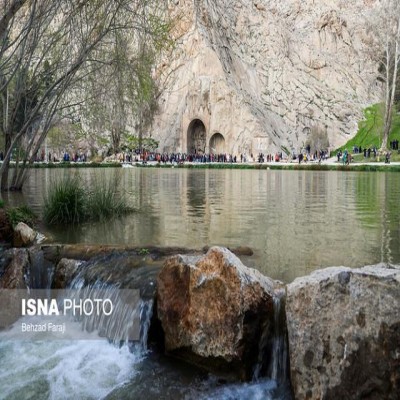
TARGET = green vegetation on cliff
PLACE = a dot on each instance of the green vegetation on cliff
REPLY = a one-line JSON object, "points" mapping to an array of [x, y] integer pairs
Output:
{"points": [[370, 130]]}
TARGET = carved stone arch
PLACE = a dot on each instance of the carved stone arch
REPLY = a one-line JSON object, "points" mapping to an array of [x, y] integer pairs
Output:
{"points": [[196, 137], [217, 144]]}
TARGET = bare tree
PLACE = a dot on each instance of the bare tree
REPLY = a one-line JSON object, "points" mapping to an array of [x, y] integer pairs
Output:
{"points": [[386, 31], [128, 90], [47, 50]]}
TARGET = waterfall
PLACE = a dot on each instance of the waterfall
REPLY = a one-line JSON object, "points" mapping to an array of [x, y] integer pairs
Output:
{"points": [[129, 321], [146, 312], [98, 353], [41, 271], [273, 354], [279, 355]]}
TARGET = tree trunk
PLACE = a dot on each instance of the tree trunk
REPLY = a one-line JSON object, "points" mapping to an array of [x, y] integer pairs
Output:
{"points": [[389, 96], [6, 165]]}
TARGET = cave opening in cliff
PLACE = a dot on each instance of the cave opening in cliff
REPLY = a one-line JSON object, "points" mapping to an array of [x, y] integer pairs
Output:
{"points": [[217, 144], [196, 137]]}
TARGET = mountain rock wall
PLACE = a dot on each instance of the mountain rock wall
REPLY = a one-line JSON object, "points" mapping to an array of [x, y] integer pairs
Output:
{"points": [[264, 74]]}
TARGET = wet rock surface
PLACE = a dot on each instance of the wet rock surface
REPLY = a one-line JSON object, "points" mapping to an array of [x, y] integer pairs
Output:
{"points": [[213, 310], [55, 252], [124, 270], [24, 236], [64, 272], [343, 324], [14, 266], [344, 333]]}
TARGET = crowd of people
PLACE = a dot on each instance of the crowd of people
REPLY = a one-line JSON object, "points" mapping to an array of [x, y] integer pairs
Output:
{"points": [[394, 145], [179, 157], [309, 156], [369, 152]]}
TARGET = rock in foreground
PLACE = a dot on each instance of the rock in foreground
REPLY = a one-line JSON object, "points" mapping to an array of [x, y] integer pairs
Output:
{"points": [[344, 333], [213, 310], [14, 268], [24, 236]]}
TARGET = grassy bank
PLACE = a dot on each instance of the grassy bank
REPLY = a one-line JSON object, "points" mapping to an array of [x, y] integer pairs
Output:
{"points": [[370, 130]]}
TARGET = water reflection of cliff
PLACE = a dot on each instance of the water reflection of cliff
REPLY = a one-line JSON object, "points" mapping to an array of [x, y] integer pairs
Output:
{"points": [[296, 221], [378, 209]]}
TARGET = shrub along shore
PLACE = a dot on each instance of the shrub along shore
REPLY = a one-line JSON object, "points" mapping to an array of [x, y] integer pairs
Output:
{"points": [[70, 201]]}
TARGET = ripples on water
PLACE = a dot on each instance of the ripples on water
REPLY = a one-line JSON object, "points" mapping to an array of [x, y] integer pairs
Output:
{"points": [[295, 221], [78, 369]]}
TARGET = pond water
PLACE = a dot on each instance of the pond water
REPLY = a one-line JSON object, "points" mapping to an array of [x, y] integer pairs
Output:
{"points": [[295, 221]]}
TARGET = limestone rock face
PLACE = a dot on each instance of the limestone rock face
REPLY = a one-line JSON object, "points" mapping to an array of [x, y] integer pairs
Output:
{"points": [[24, 236], [344, 333], [213, 309], [264, 74]]}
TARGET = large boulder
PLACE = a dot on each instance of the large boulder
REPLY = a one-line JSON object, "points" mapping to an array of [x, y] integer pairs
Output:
{"points": [[344, 333], [214, 310], [24, 236]]}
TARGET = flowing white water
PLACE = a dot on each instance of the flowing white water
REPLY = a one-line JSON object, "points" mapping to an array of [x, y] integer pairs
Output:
{"points": [[58, 366], [106, 363], [63, 369], [279, 345], [262, 390]]}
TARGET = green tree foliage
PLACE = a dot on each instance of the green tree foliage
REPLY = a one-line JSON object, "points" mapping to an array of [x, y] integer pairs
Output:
{"points": [[133, 143], [126, 98], [50, 50]]}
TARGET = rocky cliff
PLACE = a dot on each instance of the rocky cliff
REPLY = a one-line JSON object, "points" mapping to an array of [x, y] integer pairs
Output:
{"points": [[249, 76]]}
